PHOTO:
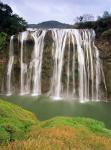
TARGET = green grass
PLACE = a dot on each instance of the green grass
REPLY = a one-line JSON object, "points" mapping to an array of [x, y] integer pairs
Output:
{"points": [[65, 133], [92, 125], [14, 121], [21, 130]]}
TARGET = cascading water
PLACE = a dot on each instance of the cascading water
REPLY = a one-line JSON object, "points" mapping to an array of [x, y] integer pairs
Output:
{"points": [[36, 62], [77, 70], [81, 64], [10, 65], [59, 38], [23, 84]]}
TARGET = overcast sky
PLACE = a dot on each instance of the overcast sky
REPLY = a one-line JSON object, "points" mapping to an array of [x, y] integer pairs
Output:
{"points": [[35, 11]]}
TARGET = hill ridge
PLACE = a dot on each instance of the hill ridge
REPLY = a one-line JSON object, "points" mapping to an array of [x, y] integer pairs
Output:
{"points": [[49, 24]]}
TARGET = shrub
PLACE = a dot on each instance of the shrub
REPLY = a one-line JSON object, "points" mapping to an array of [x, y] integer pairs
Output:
{"points": [[107, 34]]}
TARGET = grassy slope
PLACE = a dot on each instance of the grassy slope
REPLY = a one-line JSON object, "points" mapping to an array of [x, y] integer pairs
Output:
{"points": [[54, 134], [14, 121], [64, 133], [92, 125]]}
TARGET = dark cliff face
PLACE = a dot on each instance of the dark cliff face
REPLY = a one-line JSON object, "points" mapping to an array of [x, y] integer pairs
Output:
{"points": [[104, 46]]}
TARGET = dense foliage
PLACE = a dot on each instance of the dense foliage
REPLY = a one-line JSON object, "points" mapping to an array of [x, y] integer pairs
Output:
{"points": [[10, 23]]}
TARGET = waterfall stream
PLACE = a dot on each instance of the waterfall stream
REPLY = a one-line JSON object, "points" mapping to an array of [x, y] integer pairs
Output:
{"points": [[23, 87], [77, 69], [9, 66], [36, 62]]}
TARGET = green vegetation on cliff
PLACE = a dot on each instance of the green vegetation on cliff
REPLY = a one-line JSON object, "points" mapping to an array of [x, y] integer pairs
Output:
{"points": [[107, 34], [3, 37]]}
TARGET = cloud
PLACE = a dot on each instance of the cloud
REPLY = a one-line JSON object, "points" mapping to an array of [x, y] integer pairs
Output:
{"points": [[35, 11]]}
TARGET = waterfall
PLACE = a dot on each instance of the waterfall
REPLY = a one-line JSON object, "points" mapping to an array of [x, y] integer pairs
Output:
{"points": [[10, 65], [36, 61], [68, 67], [59, 38], [23, 85], [77, 69], [81, 64]]}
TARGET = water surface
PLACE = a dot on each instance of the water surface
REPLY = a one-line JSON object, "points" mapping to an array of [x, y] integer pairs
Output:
{"points": [[45, 108]]}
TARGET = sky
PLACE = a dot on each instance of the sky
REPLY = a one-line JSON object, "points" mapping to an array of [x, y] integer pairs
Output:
{"points": [[36, 11]]}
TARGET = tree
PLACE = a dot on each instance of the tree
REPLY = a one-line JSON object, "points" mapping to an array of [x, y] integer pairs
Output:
{"points": [[79, 19], [5, 9], [84, 18], [106, 14], [10, 23], [88, 17]]}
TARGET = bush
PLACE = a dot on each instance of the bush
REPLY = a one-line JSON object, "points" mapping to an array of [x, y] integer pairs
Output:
{"points": [[9, 133], [107, 34]]}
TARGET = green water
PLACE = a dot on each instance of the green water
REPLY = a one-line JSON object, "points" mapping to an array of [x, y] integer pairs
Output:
{"points": [[45, 108]]}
